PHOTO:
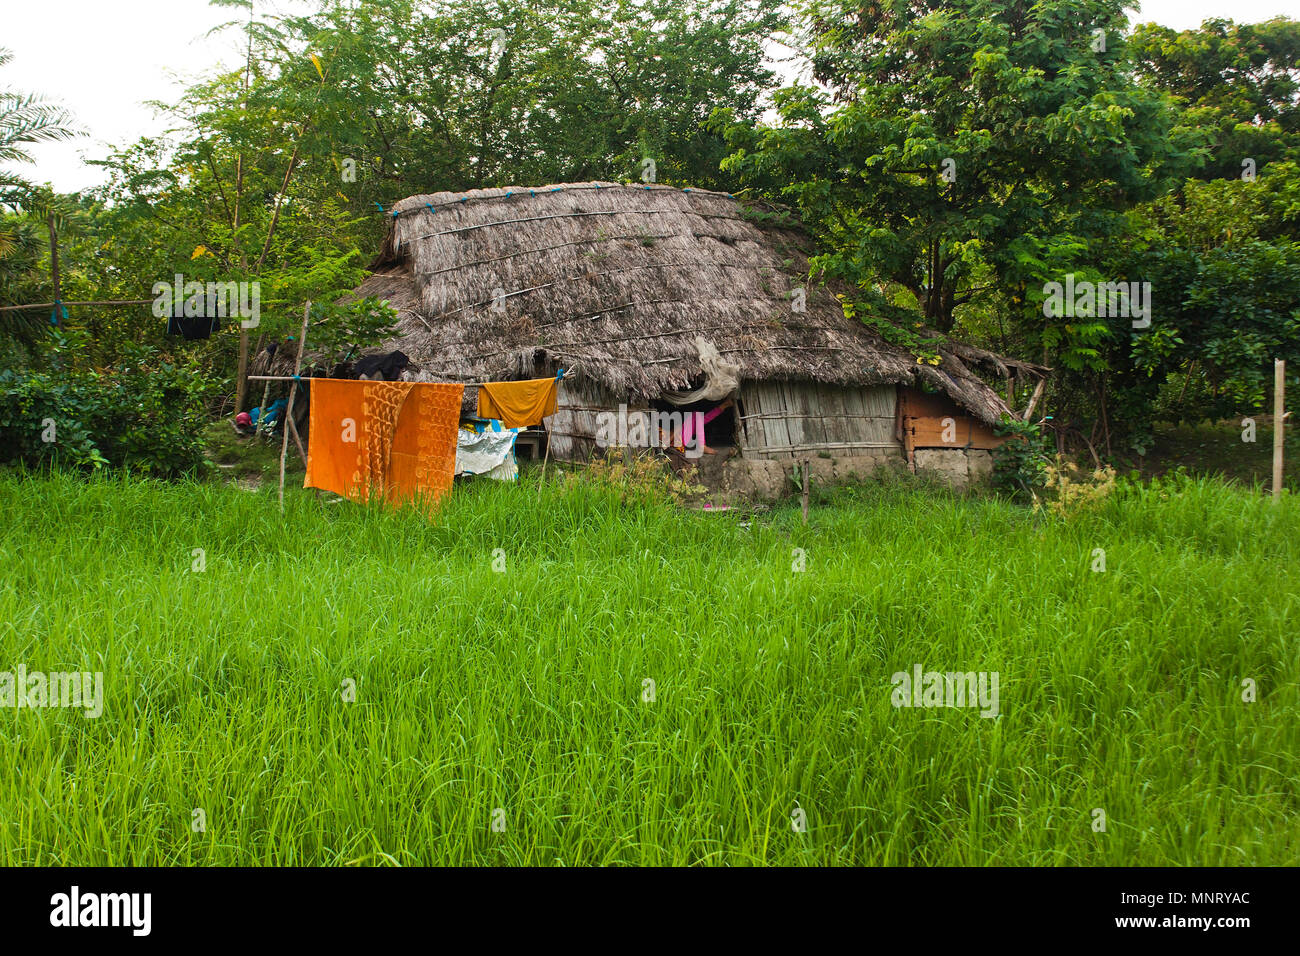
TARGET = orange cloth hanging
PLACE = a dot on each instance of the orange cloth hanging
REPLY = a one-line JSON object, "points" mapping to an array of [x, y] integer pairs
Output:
{"points": [[390, 440], [518, 404]]}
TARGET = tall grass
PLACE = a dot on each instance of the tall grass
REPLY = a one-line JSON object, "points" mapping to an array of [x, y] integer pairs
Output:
{"points": [[518, 697]]}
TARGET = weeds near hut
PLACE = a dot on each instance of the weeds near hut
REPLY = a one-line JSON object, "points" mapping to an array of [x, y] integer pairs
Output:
{"points": [[647, 478], [1068, 488]]}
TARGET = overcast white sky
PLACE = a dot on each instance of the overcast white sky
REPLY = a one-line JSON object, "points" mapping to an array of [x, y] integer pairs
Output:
{"points": [[113, 55]]}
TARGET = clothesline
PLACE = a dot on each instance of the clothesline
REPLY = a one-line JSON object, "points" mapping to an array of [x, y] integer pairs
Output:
{"points": [[308, 378], [560, 376]]}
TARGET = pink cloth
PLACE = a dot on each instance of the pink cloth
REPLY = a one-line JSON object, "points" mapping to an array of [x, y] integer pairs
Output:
{"points": [[689, 425]]}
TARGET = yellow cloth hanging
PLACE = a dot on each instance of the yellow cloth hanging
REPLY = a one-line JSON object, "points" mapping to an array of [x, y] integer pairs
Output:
{"points": [[518, 404]]}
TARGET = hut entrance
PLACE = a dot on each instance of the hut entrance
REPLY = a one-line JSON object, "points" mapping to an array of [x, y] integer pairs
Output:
{"points": [[720, 432], [720, 422]]}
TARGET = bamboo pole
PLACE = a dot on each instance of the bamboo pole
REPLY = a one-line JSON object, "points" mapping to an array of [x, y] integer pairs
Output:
{"points": [[294, 378], [302, 452], [297, 440], [545, 458], [241, 380], [261, 418], [805, 490], [293, 391], [784, 416], [47, 305], [54, 259], [1033, 399], [1279, 433], [815, 446]]}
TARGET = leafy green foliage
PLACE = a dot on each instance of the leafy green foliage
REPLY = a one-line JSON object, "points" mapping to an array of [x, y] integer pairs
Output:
{"points": [[21, 249], [146, 417], [471, 93], [1224, 265], [25, 119], [1020, 464], [955, 134], [895, 324], [1240, 84], [339, 330]]}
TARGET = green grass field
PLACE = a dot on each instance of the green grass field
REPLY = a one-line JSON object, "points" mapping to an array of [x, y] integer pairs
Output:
{"points": [[519, 698]]}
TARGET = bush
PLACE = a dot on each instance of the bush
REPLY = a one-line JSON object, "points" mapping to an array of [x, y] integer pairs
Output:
{"points": [[146, 418], [1020, 464]]}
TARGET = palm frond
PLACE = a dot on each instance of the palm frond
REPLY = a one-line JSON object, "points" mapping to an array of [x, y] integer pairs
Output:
{"points": [[14, 190], [27, 118]]}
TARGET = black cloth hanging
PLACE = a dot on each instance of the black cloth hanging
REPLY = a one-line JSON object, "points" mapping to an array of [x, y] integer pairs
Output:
{"points": [[198, 327], [388, 364]]}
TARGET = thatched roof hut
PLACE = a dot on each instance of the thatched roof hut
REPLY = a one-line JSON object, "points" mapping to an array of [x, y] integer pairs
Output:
{"points": [[623, 284]]}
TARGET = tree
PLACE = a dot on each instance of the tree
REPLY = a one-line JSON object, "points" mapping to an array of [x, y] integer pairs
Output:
{"points": [[1240, 85], [1224, 264], [25, 119], [275, 167], [464, 94], [953, 136]]}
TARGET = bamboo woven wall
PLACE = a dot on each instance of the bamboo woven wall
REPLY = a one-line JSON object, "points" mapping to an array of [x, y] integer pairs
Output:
{"points": [[789, 419]]}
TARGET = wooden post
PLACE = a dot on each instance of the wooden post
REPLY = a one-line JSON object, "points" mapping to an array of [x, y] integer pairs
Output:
{"points": [[302, 452], [293, 391], [241, 377], [261, 417], [547, 454], [1033, 399], [1279, 429], [47, 305], [546, 457], [54, 262], [805, 490]]}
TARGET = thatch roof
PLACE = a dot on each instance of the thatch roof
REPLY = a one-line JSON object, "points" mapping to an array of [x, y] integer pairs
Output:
{"points": [[617, 281]]}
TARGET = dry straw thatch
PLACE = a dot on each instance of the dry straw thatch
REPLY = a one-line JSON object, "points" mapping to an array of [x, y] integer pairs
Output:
{"points": [[617, 281]]}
